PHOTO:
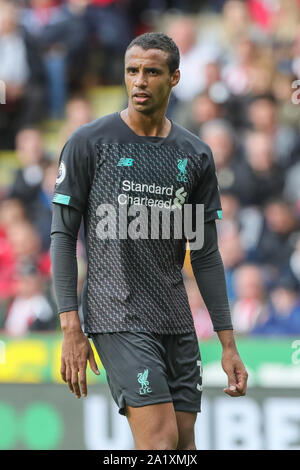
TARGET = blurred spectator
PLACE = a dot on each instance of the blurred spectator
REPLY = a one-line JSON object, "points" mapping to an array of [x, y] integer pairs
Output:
{"points": [[11, 212], [285, 19], [201, 110], [288, 114], [30, 153], [228, 156], [262, 114], [27, 185], [111, 23], [78, 113], [216, 89], [212, 72], [260, 178], [249, 221], [226, 29], [19, 243], [24, 241], [194, 56], [235, 23], [39, 14], [278, 18], [276, 244], [284, 312], [237, 73], [250, 302], [111, 26], [261, 76], [263, 117], [219, 135], [26, 244], [30, 310], [62, 35], [22, 71]]}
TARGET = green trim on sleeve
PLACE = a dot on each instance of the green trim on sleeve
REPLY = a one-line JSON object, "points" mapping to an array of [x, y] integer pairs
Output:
{"points": [[220, 214], [61, 199]]}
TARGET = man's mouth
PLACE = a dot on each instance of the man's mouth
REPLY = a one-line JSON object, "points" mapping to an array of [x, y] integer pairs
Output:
{"points": [[141, 97]]}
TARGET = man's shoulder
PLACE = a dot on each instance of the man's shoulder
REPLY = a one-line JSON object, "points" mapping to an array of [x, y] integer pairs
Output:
{"points": [[97, 129], [189, 141]]}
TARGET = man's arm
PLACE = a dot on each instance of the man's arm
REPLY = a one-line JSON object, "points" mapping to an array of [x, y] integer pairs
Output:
{"points": [[76, 348], [232, 365], [209, 273]]}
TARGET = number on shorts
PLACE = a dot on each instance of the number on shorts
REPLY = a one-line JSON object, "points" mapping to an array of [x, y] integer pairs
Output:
{"points": [[199, 386]]}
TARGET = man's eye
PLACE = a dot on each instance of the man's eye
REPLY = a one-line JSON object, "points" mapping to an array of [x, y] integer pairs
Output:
{"points": [[131, 71], [153, 72]]}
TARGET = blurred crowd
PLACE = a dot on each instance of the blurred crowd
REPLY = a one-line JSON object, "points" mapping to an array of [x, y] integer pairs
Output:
{"points": [[239, 91]]}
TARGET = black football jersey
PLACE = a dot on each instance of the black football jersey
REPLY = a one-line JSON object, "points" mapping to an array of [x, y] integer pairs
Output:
{"points": [[134, 283]]}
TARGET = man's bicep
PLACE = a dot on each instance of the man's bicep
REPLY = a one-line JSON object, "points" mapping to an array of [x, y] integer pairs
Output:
{"points": [[65, 219], [210, 242], [206, 191], [75, 173]]}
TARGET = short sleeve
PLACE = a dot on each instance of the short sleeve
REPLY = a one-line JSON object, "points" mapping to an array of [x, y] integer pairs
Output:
{"points": [[207, 189], [74, 174]]}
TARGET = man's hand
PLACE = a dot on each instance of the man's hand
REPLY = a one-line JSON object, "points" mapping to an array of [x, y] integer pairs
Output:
{"points": [[76, 351], [233, 366], [236, 372]]}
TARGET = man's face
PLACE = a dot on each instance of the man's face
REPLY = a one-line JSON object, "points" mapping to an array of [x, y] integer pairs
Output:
{"points": [[148, 79]]}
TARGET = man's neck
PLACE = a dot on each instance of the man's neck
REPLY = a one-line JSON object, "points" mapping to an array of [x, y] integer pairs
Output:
{"points": [[154, 125]]}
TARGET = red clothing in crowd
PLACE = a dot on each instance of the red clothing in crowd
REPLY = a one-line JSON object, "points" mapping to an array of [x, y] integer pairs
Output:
{"points": [[102, 3], [8, 284], [260, 13], [8, 267]]}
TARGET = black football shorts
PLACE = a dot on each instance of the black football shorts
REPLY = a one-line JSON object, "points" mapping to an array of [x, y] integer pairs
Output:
{"points": [[148, 368]]}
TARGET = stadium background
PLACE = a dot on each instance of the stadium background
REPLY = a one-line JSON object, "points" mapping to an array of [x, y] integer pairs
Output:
{"points": [[61, 66]]}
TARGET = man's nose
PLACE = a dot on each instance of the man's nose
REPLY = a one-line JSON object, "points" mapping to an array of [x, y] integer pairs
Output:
{"points": [[140, 80]]}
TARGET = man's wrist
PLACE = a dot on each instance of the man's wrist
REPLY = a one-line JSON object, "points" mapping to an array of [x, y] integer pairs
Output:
{"points": [[70, 322], [227, 340]]}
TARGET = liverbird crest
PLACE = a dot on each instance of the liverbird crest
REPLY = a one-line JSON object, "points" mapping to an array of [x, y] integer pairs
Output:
{"points": [[182, 165]]}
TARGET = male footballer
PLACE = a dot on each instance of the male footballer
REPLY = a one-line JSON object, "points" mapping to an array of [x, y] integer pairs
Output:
{"points": [[135, 305]]}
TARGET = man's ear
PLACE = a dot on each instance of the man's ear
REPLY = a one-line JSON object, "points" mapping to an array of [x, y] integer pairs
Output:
{"points": [[175, 77]]}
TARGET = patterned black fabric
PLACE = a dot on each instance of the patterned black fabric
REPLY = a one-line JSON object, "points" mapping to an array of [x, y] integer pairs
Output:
{"points": [[134, 284]]}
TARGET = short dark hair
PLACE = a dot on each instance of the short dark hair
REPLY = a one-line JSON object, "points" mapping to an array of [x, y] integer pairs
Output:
{"points": [[159, 41]]}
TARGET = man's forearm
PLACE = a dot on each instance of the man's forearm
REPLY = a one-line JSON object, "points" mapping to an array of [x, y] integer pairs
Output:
{"points": [[64, 271], [209, 273], [64, 230]]}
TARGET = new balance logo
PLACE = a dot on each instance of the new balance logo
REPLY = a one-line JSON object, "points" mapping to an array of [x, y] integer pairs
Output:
{"points": [[125, 162]]}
